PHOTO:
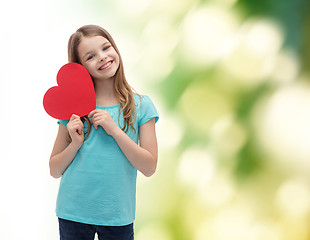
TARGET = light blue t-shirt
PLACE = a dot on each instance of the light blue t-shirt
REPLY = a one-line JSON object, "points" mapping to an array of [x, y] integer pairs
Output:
{"points": [[99, 186]]}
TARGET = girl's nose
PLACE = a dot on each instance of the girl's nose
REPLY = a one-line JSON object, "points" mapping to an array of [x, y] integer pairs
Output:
{"points": [[103, 56]]}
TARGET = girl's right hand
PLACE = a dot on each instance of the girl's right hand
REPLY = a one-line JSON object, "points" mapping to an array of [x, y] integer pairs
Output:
{"points": [[76, 130]]}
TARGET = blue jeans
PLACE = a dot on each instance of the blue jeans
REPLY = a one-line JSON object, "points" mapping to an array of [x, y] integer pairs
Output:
{"points": [[69, 230]]}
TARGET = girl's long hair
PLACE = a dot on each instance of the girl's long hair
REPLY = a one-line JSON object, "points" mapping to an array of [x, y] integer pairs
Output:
{"points": [[122, 90]]}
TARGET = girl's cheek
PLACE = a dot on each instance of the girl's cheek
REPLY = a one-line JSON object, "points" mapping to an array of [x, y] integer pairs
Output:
{"points": [[87, 68]]}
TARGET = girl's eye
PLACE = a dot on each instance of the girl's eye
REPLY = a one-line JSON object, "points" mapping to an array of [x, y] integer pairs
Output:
{"points": [[106, 48], [90, 57]]}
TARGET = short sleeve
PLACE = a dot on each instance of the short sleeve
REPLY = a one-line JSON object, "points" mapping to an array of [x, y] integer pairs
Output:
{"points": [[63, 122], [146, 111]]}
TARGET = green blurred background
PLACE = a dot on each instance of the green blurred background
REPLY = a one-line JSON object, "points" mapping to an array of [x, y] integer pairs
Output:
{"points": [[231, 82]]}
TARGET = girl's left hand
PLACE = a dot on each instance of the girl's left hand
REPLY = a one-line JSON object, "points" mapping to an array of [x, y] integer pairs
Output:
{"points": [[102, 118]]}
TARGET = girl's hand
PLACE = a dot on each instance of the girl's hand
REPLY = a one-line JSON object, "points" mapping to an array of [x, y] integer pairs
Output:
{"points": [[76, 130], [102, 118]]}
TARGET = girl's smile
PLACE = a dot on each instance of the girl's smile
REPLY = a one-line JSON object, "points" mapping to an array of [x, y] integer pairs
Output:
{"points": [[106, 66]]}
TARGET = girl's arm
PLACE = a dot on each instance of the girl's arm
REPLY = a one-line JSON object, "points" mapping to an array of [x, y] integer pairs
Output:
{"points": [[143, 157], [63, 151]]}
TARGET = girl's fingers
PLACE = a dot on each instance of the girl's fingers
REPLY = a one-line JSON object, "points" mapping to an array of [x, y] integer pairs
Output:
{"points": [[80, 129], [92, 113], [77, 125], [98, 117], [96, 122], [76, 121], [73, 117], [77, 129], [96, 112]]}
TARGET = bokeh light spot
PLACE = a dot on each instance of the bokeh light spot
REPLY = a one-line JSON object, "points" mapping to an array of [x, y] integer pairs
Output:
{"points": [[286, 67], [197, 167], [252, 53], [161, 39], [203, 106], [202, 45], [282, 125], [228, 136], [293, 198]]}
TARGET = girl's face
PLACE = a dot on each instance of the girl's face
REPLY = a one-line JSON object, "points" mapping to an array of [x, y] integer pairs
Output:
{"points": [[99, 57]]}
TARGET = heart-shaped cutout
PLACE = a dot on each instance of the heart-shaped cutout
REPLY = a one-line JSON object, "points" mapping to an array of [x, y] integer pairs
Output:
{"points": [[75, 93]]}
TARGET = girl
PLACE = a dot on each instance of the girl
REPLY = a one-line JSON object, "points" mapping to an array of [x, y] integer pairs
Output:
{"points": [[98, 172]]}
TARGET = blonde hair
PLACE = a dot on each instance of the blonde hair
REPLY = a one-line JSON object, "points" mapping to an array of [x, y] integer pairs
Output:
{"points": [[122, 90]]}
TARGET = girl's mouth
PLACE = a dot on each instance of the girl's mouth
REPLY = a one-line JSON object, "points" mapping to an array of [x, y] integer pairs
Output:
{"points": [[105, 65]]}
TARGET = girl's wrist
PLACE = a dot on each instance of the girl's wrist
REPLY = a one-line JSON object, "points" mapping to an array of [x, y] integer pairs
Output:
{"points": [[76, 145], [117, 132]]}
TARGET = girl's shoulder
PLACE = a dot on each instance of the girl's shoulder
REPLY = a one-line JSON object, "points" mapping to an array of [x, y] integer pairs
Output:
{"points": [[145, 108], [141, 100]]}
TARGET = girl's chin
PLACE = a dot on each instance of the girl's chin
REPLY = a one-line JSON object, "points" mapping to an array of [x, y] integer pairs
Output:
{"points": [[103, 78]]}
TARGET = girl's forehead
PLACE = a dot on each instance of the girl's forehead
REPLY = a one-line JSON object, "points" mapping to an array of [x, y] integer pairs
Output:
{"points": [[91, 40]]}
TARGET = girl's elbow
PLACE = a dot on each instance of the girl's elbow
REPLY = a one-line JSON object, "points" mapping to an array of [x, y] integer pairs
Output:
{"points": [[150, 172], [53, 172], [55, 175]]}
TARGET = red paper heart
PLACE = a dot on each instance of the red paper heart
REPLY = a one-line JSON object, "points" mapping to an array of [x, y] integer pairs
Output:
{"points": [[75, 93]]}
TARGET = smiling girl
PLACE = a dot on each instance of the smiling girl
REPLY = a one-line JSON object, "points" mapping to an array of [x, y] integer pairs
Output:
{"points": [[97, 192]]}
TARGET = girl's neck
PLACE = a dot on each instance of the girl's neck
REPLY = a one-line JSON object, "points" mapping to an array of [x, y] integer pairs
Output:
{"points": [[105, 95]]}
